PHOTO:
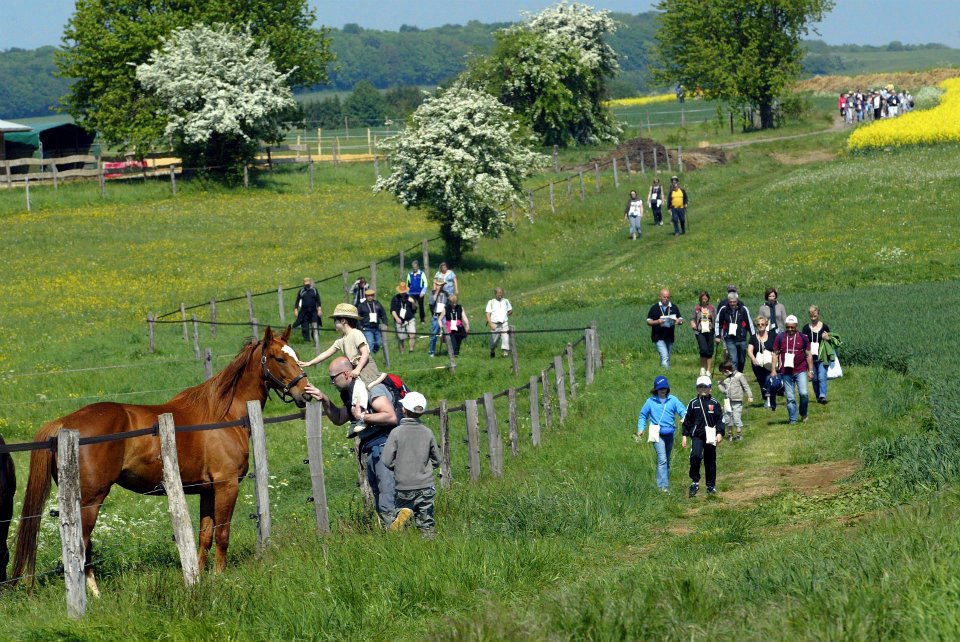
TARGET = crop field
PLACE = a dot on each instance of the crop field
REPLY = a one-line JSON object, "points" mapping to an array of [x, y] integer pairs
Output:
{"points": [[921, 127], [841, 529]]}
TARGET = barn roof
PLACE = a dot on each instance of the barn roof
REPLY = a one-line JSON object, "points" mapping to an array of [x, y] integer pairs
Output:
{"points": [[8, 127]]}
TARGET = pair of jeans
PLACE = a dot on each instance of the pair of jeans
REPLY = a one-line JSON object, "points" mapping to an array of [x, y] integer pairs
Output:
{"points": [[819, 379], [374, 339], [737, 349], [800, 380], [382, 483], [663, 448], [664, 348], [435, 331], [679, 217], [421, 502], [700, 450]]}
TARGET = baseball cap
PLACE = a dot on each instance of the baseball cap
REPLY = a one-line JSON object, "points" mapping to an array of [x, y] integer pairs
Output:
{"points": [[704, 380], [414, 402], [790, 320], [660, 383]]}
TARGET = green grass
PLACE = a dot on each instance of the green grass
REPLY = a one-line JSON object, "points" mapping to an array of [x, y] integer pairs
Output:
{"points": [[573, 542]]}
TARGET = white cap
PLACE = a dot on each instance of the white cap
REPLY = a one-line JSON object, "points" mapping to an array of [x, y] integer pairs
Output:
{"points": [[791, 319], [414, 402], [704, 380]]}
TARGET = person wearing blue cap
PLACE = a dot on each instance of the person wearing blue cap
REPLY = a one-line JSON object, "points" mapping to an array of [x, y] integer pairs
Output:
{"points": [[658, 417]]}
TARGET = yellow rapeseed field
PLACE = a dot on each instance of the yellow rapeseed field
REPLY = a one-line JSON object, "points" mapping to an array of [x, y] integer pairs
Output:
{"points": [[640, 101], [938, 125]]}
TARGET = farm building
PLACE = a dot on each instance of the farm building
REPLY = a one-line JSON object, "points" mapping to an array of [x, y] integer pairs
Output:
{"points": [[49, 139], [6, 127]]}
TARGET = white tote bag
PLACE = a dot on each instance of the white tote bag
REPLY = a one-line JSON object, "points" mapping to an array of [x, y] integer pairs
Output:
{"points": [[834, 371]]}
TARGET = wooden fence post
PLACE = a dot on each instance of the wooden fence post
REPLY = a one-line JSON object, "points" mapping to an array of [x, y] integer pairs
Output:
{"points": [[102, 179], [573, 378], [616, 175], [196, 337], [547, 414], [403, 266], [534, 412], [179, 515], [643, 167], [213, 317], [626, 162], [556, 164], [53, 170], [580, 174], [246, 175], [373, 276], [446, 470], [493, 435], [315, 455], [514, 356], [680, 159], [597, 363], [512, 414], [346, 286], [569, 189], [173, 180], [313, 171], [250, 305], [255, 327], [207, 364], [261, 474], [283, 313], [561, 388], [553, 208], [588, 358], [473, 438], [656, 169], [532, 206], [425, 249], [150, 331], [596, 175], [183, 319], [666, 152], [71, 528], [26, 184]]}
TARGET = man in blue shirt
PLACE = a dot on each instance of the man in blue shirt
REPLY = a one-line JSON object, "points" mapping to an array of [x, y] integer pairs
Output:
{"points": [[417, 282]]}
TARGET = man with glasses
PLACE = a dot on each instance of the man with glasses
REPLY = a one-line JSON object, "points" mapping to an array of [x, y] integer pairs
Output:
{"points": [[793, 361], [372, 415], [662, 319]]}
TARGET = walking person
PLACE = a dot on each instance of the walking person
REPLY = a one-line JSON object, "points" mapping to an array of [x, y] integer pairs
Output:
{"points": [[792, 361], [456, 324], [734, 328], [633, 213], [417, 282], [450, 283], [358, 291], [411, 453], [703, 324], [662, 319], [307, 309], [760, 353], [438, 309], [657, 416], [403, 309], [677, 198], [773, 310], [734, 387], [655, 200], [817, 332], [498, 313], [371, 316], [703, 425]]}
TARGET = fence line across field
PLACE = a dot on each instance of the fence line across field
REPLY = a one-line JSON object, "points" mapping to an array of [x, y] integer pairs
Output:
{"points": [[67, 445]]}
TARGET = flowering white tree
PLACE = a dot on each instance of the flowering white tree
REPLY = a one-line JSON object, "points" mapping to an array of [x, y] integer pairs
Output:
{"points": [[220, 92], [462, 158], [552, 70]]}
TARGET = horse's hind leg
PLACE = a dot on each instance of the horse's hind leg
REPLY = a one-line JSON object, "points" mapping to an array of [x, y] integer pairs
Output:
{"points": [[207, 515], [226, 501], [89, 511]]}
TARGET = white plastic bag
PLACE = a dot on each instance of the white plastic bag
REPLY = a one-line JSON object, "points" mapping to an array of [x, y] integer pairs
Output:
{"points": [[834, 371], [653, 434]]}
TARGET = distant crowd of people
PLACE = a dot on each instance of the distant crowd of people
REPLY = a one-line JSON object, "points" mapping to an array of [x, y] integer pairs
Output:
{"points": [[859, 106]]}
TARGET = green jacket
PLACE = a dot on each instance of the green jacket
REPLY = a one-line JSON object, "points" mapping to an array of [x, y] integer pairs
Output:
{"points": [[828, 349]]}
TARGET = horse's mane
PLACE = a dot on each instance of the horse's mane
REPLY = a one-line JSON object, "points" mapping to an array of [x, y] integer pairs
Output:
{"points": [[213, 398]]}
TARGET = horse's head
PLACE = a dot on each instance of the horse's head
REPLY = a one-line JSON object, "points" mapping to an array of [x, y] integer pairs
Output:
{"points": [[280, 368]]}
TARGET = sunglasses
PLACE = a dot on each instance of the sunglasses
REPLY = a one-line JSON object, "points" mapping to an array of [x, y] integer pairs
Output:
{"points": [[333, 377]]}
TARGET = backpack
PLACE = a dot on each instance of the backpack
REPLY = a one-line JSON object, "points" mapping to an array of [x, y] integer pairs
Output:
{"points": [[398, 389]]}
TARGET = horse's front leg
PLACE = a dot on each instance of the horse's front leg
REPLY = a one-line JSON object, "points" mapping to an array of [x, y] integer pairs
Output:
{"points": [[207, 516], [226, 500]]}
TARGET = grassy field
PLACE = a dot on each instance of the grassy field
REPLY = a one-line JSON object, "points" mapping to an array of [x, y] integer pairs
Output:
{"points": [[843, 529]]}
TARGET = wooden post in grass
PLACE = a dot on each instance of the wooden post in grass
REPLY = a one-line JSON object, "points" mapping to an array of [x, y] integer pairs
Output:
{"points": [[534, 412], [666, 152], [102, 179], [616, 175], [680, 159], [9, 177], [313, 171], [177, 502], [569, 189], [493, 435], [255, 327], [71, 528], [26, 185], [473, 438], [597, 364], [250, 306], [532, 209], [547, 415], [588, 358], [183, 319], [573, 379], [512, 414], [561, 387], [196, 337], [626, 163], [596, 175], [315, 459], [319, 143], [649, 126], [207, 364], [403, 266], [425, 250], [553, 207], [373, 277], [369, 142], [261, 474], [280, 306], [656, 169], [556, 159], [346, 286], [643, 167], [173, 180], [514, 356], [246, 175], [580, 174], [213, 318], [150, 331], [446, 471]]}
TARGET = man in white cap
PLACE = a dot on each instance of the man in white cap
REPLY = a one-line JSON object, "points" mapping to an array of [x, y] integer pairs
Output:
{"points": [[412, 454], [793, 361], [703, 425]]}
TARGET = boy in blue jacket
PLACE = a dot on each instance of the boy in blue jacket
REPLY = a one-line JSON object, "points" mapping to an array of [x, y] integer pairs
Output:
{"points": [[657, 416]]}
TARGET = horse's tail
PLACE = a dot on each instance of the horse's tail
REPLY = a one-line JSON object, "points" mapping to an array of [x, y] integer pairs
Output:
{"points": [[38, 489]]}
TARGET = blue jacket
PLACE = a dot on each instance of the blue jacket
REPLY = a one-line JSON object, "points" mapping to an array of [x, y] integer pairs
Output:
{"points": [[664, 413]]}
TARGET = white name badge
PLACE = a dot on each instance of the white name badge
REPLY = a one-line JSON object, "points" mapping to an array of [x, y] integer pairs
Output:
{"points": [[788, 360], [726, 406], [403, 313], [653, 434], [711, 436], [732, 330], [439, 308], [815, 348], [704, 324], [373, 317]]}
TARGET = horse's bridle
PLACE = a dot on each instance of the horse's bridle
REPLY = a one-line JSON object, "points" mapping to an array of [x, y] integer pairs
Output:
{"points": [[271, 382]]}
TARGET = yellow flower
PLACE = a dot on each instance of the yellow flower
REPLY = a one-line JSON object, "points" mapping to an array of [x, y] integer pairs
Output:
{"points": [[931, 126]]}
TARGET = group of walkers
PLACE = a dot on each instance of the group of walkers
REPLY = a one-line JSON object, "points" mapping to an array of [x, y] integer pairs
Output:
{"points": [[674, 198], [859, 106], [783, 358]]}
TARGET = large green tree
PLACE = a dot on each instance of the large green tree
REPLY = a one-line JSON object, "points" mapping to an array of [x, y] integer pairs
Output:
{"points": [[742, 51], [105, 40]]}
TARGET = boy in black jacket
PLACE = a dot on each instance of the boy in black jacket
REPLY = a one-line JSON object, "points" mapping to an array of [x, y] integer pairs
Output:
{"points": [[704, 419]]}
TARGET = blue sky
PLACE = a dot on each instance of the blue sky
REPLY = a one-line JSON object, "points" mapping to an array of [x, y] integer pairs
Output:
{"points": [[34, 23]]}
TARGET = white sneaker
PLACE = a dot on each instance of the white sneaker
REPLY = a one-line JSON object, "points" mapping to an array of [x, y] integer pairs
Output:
{"points": [[703, 372]]}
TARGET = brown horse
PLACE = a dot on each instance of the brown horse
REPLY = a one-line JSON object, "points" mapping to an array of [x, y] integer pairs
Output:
{"points": [[212, 462]]}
